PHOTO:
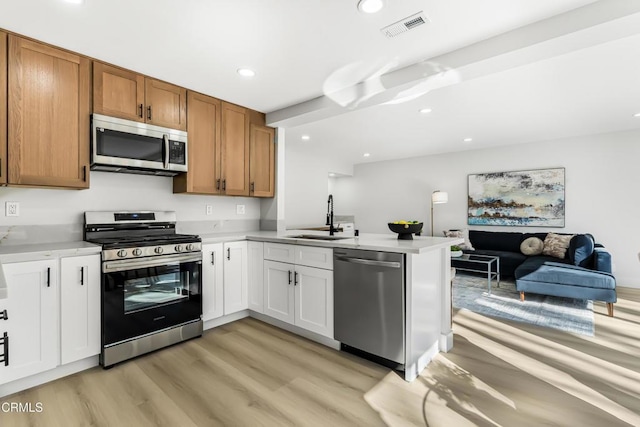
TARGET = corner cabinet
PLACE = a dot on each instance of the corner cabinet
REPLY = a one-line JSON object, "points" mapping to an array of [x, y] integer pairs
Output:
{"points": [[262, 161], [236, 285], [48, 115], [298, 286], [122, 93], [3, 108], [204, 153], [235, 150], [31, 319], [255, 276]]}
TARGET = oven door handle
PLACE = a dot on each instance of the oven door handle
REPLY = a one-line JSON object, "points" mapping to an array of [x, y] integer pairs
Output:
{"points": [[122, 265]]}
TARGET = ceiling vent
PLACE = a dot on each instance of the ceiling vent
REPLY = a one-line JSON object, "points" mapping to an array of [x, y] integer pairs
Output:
{"points": [[402, 26]]}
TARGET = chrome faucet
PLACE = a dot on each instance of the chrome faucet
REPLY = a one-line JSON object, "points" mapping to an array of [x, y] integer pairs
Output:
{"points": [[332, 229]]}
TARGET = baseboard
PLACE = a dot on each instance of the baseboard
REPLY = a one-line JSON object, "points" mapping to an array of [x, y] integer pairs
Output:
{"points": [[48, 376], [219, 321], [321, 339]]}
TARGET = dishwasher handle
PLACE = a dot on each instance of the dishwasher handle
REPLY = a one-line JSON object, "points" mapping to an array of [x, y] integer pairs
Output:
{"points": [[370, 262]]}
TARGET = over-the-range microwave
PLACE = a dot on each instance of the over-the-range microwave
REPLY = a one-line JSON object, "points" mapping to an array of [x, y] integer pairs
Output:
{"points": [[119, 145]]}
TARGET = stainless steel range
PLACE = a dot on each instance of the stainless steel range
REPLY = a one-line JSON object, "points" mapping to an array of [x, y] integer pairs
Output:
{"points": [[151, 282]]}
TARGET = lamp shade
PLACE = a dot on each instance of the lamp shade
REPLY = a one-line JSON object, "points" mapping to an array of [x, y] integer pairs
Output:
{"points": [[439, 197]]}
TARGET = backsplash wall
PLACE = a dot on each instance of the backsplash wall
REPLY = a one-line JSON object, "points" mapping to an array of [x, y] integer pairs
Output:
{"points": [[54, 215]]}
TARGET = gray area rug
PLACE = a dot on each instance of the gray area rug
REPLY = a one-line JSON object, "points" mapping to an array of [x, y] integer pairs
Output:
{"points": [[565, 314]]}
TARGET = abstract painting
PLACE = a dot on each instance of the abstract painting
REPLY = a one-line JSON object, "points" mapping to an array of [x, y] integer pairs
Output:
{"points": [[533, 198]]}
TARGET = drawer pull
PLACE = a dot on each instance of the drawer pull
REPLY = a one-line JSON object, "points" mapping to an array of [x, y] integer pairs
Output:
{"points": [[5, 352], [4, 315]]}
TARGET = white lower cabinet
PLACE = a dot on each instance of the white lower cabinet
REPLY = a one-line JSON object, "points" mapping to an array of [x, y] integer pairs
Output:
{"points": [[212, 281], [236, 288], [255, 276], [79, 307], [32, 325], [298, 294]]}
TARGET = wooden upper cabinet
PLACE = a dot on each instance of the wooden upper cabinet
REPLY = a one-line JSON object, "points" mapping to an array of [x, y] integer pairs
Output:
{"points": [[128, 95], [262, 161], [118, 92], [3, 108], [235, 150], [166, 104], [49, 104], [203, 127]]}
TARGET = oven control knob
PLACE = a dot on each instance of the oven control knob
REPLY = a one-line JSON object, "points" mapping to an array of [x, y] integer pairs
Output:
{"points": [[122, 253], [189, 247], [178, 248], [137, 252], [158, 250]]}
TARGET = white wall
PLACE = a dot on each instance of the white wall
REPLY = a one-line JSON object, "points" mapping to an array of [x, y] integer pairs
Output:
{"points": [[113, 191], [601, 190]]}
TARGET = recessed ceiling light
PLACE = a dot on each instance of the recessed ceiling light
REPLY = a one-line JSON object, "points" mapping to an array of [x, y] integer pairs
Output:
{"points": [[306, 137], [332, 174], [74, 1], [636, 115], [370, 6], [426, 110], [246, 72], [468, 139], [366, 155]]}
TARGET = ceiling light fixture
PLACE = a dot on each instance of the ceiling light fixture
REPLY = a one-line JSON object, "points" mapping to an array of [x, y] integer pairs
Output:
{"points": [[370, 6], [332, 174], [426, 110], [74, 1], [468, 139], [366, 155], [305, 137], [246, 72], [636, 115]]}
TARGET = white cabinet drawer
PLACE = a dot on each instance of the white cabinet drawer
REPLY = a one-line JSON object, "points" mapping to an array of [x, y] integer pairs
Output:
{"points": [[279, 252], [313, 256]]}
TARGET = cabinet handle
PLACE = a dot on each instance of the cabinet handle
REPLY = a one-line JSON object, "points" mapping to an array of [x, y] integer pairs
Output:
{"points": [[141, 107], [217, 184], [81, 276], [4, 315], [5, 354], [253, 187], [48, 277], [289, 276], [149, 112], [295, 280], [84, 173], [224, 185], [213, 258], [229, 254]]}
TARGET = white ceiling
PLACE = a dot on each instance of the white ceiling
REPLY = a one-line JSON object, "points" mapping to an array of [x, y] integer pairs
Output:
{"points": [[562, 85]]}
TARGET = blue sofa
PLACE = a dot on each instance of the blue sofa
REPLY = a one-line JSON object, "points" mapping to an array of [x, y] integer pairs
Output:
{"points": [[584, 273]]}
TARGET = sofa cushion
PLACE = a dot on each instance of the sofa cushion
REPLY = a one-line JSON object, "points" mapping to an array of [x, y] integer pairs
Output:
{"points": [[531, 246], [531, 264], [556, 245], [508, 260], [570, 275], [580, 251], [495, 241]]}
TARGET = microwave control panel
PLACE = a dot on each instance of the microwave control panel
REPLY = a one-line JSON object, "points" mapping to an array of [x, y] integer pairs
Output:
{"points": [[177, 152]]}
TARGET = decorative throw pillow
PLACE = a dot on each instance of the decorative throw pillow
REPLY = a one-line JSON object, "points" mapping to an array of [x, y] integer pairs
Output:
{"points": [[581, 249], [532, 246], [556, 245], [464, 234]]}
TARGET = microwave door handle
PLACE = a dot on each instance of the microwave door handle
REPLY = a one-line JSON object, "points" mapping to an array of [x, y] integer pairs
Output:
{"points": [[165, 138]]}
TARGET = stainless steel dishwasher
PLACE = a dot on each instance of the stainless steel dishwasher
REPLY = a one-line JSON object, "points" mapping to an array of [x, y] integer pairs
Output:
{"points": [[369, 305]]}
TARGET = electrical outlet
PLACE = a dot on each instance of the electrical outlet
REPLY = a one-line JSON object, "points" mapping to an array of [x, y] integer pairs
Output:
{"points": [[12, 209], [209, 209], [240, 209]]}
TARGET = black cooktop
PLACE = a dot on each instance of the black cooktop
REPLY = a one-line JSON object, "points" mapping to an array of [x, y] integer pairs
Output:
{"points": [[138, 241]]}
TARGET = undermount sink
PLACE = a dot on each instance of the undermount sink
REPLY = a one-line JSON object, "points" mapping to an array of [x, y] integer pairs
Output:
{"points": [[317, 237]]}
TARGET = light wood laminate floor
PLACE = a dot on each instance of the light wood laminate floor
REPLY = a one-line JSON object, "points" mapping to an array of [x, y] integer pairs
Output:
{"points": [[250, 374]]}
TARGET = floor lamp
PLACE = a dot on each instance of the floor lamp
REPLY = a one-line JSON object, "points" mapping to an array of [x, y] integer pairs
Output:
{"points": [[437, 197]]}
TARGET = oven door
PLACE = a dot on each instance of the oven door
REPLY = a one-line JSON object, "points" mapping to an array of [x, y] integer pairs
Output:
{"points": [[142, 296]]}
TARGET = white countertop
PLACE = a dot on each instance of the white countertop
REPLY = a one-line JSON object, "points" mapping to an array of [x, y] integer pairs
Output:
{"points": [[37, 251]]}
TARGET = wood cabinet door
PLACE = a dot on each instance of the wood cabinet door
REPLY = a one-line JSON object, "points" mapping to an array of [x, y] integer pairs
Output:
{"points": [[3, 108], [278, 291], [262, 162], [118, 92], [48, 126], [314, 300], [203, 127], [212, 281], [32, 325], [235, 277], [79, 308], [166, 104], [235, 150]]}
